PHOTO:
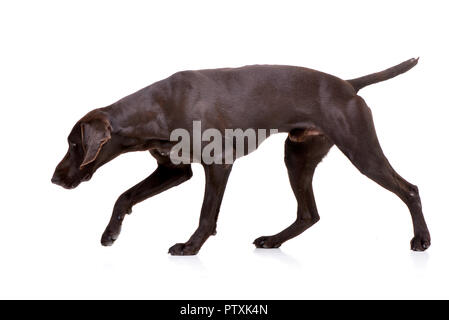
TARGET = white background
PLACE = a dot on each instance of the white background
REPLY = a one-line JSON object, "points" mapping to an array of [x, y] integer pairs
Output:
{"points": [[61, 59]]}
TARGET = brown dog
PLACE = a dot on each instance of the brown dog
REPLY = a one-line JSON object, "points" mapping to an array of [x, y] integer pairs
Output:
{"points": [[316, 109]]}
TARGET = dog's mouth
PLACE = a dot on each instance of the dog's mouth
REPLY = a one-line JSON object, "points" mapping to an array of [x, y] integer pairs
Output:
{"points": [[71, 184], [66, 185]]}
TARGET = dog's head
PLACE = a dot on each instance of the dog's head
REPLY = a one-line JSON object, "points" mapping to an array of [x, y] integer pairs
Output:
{"points": [[89, 148]]}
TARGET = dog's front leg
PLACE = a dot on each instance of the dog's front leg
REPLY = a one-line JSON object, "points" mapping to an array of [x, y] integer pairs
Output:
{"points": [[163, 178], [216, 179]]}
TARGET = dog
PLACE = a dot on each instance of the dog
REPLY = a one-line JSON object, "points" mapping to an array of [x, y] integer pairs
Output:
{"points": [[316, 109]]}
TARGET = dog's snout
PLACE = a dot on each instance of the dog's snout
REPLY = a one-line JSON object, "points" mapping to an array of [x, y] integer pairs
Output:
{"points": [[63, 181]]}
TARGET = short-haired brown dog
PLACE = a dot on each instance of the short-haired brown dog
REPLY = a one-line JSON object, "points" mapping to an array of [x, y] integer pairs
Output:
{"points": [[318, 110]]}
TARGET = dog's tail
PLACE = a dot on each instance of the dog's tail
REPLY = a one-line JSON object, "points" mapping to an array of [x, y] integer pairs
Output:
{"points": [[392, 72]]}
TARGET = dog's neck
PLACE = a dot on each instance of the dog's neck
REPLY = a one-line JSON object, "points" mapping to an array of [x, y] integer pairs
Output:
{"points": [[138, 121]]}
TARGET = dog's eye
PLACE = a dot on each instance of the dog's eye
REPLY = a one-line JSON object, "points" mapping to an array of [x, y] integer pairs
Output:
{"points": [[73, 145]]}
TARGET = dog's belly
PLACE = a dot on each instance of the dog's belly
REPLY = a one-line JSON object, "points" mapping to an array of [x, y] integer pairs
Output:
{"points": [[225, 149], [218, 151], [301, 135]]}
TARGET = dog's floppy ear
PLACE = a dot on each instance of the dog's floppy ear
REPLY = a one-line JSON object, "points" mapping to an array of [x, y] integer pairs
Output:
{"points": [[94, 134]]}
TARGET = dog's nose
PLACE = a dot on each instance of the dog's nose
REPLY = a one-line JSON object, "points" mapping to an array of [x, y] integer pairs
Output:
{"points": [[55, 179]]}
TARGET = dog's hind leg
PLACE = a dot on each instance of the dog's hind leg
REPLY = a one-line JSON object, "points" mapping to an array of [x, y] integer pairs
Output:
{"points": [[216, 180], [353, 132], [163, 178], [303, 152]]}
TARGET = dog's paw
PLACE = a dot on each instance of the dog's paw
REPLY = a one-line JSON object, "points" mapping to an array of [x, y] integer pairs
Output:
{"points": [[183, 249], [420, 242], [266, 243], [110, 235]]}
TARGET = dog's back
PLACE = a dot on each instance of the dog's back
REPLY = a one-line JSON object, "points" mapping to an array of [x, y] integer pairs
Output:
{"points": [[256, 96]]}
